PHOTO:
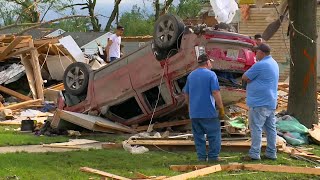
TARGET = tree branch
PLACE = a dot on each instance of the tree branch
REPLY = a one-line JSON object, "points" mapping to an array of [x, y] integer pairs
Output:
{"points": [[166, 7], [45, 13], [49, 22]]}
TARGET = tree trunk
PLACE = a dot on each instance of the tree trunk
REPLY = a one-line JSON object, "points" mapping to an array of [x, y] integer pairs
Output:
{"points": [[117, 16], [113, 15], [166, 7], [303, 73], [94, 20], [157, 8]]}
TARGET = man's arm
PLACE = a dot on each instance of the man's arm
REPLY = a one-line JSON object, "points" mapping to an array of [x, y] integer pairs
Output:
{"points": [[107, 50], [186, 96], [217, 98]]}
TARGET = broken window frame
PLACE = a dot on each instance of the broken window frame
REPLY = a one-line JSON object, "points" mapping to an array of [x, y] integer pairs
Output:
{"points": [[122, 119], [164, 93]]}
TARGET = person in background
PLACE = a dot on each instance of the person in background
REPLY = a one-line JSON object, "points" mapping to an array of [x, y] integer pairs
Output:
{"points": [[262, 84], [113, 47], [202, 92], [258, 39]]}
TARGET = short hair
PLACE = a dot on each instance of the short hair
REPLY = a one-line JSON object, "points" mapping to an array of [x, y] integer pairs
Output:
{"points": [[120, 27], [257, 36]]}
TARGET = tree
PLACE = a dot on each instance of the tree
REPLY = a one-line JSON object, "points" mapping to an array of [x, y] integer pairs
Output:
{"points": [[157, 9], [137, 22], [188, 8], [7, 14], [302, 102], [73, 25], [90, 5], [113, 15]]}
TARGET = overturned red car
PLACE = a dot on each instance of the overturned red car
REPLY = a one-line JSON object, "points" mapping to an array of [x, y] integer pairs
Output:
{"points": [[149, 81]]}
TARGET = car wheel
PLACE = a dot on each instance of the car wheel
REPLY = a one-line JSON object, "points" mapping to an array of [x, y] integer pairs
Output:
{"points": [[76, 78], [167, 31]]}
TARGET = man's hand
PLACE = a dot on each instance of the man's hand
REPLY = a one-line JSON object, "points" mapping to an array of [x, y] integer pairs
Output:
{"points": [[221, 113]]}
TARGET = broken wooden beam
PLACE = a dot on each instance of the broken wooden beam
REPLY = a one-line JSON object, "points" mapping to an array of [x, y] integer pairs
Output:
{"points": [[197, 173], [30, 76], [37, 71], [189, 144], [252, 167], [10, 47], [22, 104], [185, 168], [282, 169], [14, 93], [165, 124], [102, 173]]}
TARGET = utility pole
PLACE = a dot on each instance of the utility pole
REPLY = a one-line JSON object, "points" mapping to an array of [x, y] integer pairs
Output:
{"points": [[302, 103]]}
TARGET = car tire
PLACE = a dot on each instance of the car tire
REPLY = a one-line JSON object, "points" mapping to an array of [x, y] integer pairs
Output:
{"points": [[167, 31], [76, 78]]}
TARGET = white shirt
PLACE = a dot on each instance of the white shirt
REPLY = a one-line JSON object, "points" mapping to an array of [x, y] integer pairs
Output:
{"points": [[114, 50]]}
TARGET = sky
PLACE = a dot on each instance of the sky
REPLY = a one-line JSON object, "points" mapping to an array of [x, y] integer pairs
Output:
{"points": [[105, 7]]}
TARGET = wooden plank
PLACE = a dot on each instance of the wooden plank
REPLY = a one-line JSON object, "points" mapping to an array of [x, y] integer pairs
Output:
{"points": [[165, 124], [58, 87], [36, 71], [102, 173], [283, 89], [22, 105], [282, 169], [86, 121], [189, 144], [18, 52], [197, 173], [184, 168], [30, 76], [120, 127], [14, 93], [10, 47], [315, 133]]}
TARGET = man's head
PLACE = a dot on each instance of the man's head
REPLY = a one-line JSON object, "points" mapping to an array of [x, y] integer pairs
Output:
{"points": [[204, 61], [263, 50], [119, 30], [258, 39]]}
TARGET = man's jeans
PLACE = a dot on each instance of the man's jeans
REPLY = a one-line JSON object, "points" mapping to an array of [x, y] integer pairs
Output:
{"points": [[211, 127], [262, 118], [113, 58]]}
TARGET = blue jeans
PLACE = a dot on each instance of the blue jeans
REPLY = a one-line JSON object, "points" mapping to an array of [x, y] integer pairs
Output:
{"points": [[262, 118], [113, 58], [211, 127]]}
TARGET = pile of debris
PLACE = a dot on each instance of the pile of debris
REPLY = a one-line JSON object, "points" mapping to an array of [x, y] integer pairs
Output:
{"points": [[38, 60]]}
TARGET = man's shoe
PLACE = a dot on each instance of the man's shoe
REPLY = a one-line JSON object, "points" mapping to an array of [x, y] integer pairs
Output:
{"points": [[248, 158], [269, 158]]}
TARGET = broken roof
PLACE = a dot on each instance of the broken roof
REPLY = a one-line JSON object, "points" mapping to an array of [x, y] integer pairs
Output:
{"points": [[83, 38], [36, 33]]}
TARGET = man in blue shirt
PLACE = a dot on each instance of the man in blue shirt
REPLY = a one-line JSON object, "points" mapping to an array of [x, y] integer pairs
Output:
{"points": [[202, 92], [262, 84]]}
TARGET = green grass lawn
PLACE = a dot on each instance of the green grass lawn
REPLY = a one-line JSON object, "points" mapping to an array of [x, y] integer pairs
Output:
{"points": [[66, 165]]}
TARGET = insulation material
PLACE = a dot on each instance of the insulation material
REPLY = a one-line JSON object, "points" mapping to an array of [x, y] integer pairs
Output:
{"points": [[72, 47], [12, 73]]}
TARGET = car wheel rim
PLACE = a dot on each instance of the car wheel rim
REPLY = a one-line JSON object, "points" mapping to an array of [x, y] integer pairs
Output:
{"points": [[75, 78], [165, 31]]}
